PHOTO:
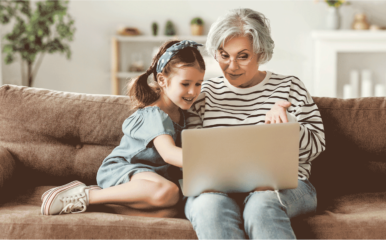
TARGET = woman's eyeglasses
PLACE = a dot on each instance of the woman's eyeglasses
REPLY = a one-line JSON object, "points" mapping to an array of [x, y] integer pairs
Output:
{"points": [[241, 59]]}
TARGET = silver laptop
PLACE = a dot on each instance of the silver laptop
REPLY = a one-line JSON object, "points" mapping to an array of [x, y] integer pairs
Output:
{"points": [[239, 159]]}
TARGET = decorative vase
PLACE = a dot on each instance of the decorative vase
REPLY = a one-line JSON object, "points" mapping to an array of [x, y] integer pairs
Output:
{"points": [[196, 29], [333, 18]]}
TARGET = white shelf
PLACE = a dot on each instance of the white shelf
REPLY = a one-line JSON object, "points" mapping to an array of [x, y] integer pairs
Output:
{"points": [[119, 42], [349, 35], [159, 38], [128, 74]]}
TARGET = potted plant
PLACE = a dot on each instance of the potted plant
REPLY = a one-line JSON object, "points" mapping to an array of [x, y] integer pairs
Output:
{"points": [[169, 29], [154, 28], [45, 28], [197, 26]]}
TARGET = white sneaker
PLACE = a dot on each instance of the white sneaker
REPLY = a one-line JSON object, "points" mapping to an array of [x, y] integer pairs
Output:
{"points": [[45, 194], [70, 198]]}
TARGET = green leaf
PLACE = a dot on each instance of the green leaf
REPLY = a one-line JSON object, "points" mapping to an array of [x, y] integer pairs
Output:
{"points": [[8, 59], [44, 27]]}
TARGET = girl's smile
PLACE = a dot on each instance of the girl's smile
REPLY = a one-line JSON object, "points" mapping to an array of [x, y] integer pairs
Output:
{"points": [[184, 86], [179, 90]]}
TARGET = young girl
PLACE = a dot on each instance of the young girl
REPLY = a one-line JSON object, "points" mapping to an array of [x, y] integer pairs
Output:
{"points": [[143, 171]]}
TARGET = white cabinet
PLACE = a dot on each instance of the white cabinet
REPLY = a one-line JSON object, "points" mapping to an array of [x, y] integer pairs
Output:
{"points": [[123, 48], [328, 44]]}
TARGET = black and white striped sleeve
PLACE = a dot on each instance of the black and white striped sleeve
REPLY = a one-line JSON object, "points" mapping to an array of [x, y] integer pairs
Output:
{"points": [[196, 113], [312, 139]]}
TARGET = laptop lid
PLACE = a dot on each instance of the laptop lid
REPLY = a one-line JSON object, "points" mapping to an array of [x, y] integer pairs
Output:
{"points": [[241, 158]]}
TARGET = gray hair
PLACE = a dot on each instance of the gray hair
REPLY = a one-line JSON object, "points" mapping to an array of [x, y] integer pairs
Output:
{"points": [[242, 22]]}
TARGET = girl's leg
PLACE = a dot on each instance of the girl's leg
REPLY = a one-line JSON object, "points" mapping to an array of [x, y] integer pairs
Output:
{"points": [[215, 216], [146, 190], [267, 214], [170, 212]]}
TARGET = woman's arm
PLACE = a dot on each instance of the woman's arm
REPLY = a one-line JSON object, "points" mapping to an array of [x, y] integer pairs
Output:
{"points": [[301, 108], [196, 113], [168, 150], [312, 138]]}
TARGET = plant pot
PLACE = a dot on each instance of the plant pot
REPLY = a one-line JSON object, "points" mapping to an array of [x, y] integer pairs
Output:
{"points": [[196, 29], [333, 18]]}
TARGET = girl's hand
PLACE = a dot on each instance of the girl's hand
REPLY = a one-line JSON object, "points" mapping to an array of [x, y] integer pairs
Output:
{"points": [[168, 150], [258, 189], [278, 113]]}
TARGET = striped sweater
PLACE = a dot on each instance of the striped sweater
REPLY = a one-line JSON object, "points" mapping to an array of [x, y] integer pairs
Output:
{"points": [[220, 104]]}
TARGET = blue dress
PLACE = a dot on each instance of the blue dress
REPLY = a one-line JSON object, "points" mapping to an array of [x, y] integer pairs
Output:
{"points": [[136, 153]]}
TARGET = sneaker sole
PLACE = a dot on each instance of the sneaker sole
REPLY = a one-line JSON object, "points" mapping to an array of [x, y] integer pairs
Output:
{"points": [[51, 194]]}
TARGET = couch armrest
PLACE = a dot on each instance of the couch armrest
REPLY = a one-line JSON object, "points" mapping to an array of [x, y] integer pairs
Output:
{"points": [[7, 166]]}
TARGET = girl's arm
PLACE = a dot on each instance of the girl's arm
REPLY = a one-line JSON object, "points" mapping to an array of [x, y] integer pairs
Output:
{"points": [[168, 150]]}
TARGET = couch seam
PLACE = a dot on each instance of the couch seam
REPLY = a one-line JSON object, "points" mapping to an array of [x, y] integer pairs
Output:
{"points": [[109, 226], [75, 99], [339, 109]]}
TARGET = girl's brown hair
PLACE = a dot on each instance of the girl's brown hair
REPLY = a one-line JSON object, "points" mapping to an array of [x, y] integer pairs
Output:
{"points": [[143, 93]]}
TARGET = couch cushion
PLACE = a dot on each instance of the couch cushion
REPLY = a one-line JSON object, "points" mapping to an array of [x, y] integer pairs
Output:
{"points": [[357, 216], [355, 156], [60, 136], [21, 218]]}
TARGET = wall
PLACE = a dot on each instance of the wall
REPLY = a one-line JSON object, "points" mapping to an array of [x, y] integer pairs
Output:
{"points": [[88, 70]]}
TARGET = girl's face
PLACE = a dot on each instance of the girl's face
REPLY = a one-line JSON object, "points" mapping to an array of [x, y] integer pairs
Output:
{"points": [[182, 86], [231, 58]]}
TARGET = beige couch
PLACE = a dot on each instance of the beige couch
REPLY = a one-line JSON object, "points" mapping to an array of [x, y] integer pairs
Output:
{"points": [[48, 138]]}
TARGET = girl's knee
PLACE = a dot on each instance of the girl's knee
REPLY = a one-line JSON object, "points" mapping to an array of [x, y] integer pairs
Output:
{"points": [[166, 195]]}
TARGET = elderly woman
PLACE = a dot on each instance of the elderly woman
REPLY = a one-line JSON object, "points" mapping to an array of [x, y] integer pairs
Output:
{"points": [[240, 42]]}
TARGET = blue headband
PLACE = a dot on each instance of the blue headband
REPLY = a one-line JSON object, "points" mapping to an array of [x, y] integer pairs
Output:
{"points": [[173, 50]]}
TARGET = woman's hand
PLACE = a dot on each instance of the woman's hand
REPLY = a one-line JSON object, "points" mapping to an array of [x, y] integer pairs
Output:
{"points": [[278, 113]]}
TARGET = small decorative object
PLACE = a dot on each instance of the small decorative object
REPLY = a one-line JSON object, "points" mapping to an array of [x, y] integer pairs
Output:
{"points": [[367, 85], [374, 27], [128, 31], [169, 29], [354, 82], [379, 90], [360, 22], [154, 28], [347, 90], [197, 26], [136, 63], [333, 16]]}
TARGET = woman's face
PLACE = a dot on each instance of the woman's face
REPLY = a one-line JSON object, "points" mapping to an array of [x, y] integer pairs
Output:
{"points": [[237, 50]]}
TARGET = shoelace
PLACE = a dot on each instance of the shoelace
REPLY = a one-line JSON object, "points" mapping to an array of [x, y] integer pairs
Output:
{"points": [[74, 204]]}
